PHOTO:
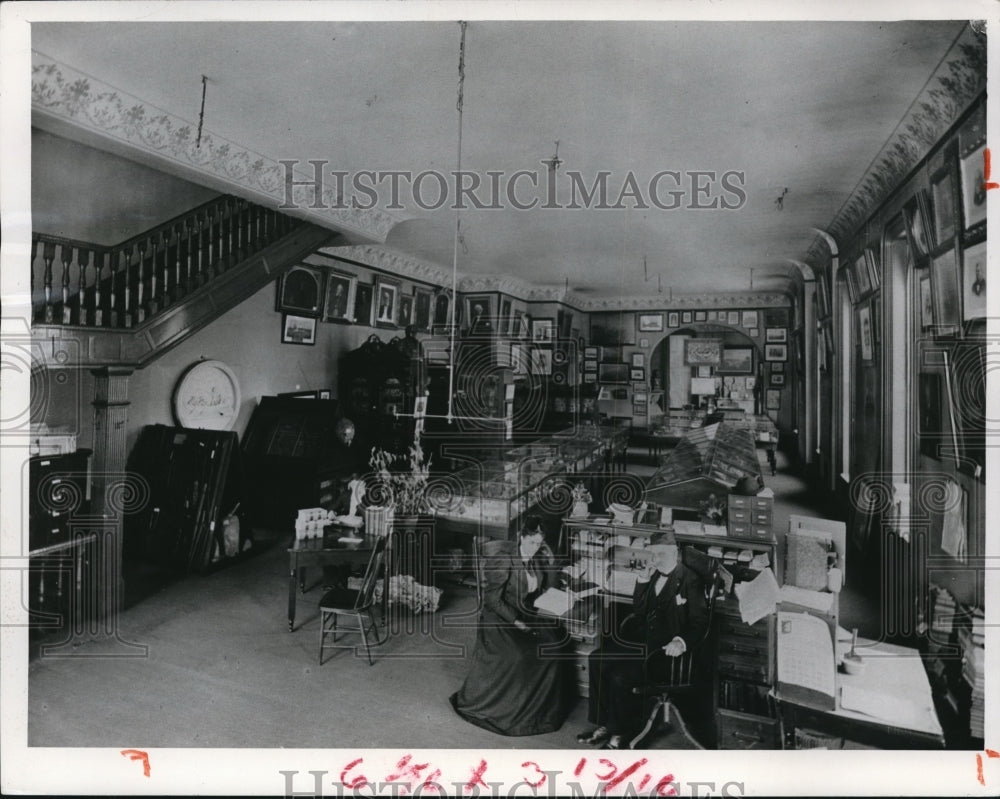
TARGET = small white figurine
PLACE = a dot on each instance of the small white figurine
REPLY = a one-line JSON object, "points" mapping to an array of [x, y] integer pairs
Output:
{"points": [[581, 498]]}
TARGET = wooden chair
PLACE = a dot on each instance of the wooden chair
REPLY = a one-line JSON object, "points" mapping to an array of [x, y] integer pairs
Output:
{"points": [[681, 672], [353, 605]]}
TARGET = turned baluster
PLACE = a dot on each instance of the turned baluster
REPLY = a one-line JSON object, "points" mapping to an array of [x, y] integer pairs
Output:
{"points": [[184, 250], [98, 277], [198, 262], [153, 304], [225, 229], [253, 234], [242, 219], [209, 265], [127, 287], [165, 239], [83, 261], [140, 285], [48, 256], [67, 260], [113, 292]]}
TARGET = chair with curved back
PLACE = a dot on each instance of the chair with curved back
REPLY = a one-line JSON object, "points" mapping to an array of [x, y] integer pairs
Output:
{"points": [[681, 671], [353, 605]]}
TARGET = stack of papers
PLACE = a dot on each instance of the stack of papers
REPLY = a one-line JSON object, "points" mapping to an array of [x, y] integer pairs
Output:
{"points": [[758, 597], [821, 601], [973, 663]]}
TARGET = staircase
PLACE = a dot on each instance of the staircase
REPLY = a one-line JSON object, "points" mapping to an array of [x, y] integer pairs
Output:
{"points": [[126, 304]]}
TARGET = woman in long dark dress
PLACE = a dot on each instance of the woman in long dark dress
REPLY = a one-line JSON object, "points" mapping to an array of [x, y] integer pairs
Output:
{"points": [[518, 684]]}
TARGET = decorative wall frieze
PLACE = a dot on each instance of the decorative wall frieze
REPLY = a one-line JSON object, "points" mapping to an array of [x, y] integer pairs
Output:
{"points": [[61, 94], [958, 80], [392, 261]]}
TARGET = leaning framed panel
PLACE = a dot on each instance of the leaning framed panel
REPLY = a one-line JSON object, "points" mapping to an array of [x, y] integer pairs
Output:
{"points": [[945, 290], [339, 304], [703, 351]]}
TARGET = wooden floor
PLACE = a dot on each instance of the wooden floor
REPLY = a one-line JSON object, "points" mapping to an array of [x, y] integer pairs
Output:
{"points": [[220, 669]]}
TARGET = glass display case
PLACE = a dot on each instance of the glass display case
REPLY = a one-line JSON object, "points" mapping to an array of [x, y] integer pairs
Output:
{"points": [[490, 497], [709, 460]]}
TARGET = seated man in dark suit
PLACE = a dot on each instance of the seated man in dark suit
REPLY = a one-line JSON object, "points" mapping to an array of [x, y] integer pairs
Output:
{"points": [[669, 615]]}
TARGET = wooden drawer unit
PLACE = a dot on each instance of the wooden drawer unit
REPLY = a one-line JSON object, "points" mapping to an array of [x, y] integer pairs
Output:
{"points": [[746, 731], [750, 517], [581, 666]]}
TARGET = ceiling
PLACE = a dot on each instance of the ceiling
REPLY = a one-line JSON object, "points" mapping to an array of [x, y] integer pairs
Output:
{"points": [[800, 109]]}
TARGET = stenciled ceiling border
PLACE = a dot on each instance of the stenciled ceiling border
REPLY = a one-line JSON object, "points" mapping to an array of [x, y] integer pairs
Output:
{"points": [[959, 79], [63, 94]]}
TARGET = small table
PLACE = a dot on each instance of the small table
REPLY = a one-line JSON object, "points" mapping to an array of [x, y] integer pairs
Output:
{"points": [[895, 674], [326, 551]]}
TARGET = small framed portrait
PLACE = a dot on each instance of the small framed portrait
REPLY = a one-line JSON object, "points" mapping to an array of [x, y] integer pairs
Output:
{"points": [[590, 366], [777, 380], [711, 316], [686, 317], [865, 333], [926, 303], [974, 187], [638, 360], [943, 200], [703, 351], [420, 406], [700, 316], [363, 301], [519, 326], [422, 299], [339, 296], [704, 371], [871, 262], [862, 281], [301, 291], [325, 393], [772, 399], [644, 343], [777, 367], [590, 377], [479, 312], [945, 291], [776, 335], [541, 360], [543, 330], [776, 352], [386, 301], [650, 323], [637, 375], [974, 282], [673, 319], [748, 319], [733, 318], [442, 309], [506, 315], [405, 310], [298, 329], [613, 373], [590, 352], [917, 225]]}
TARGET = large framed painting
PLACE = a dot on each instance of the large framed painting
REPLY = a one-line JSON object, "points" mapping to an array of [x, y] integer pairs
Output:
{"points": [[363, 297], [422, 309], [613, 329], [945, 291], [974, 282], [339, 296], [736, 361]]}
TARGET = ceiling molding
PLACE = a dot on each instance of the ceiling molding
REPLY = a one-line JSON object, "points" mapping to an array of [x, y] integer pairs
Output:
{"points": [[958, 80], [391, 261], [63, 97]]}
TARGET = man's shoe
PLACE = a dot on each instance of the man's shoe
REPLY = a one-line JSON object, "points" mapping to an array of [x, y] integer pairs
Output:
{"points": [[595, 736], [614, 742]]}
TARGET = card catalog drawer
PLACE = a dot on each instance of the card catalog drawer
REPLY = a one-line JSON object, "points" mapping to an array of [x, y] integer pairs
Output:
{"points": [[744, 731], [744, 667]]}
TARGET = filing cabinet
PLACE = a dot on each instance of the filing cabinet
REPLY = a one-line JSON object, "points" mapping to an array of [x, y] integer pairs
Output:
{"points": [[59, 487], [745, 671], [750, 517]]}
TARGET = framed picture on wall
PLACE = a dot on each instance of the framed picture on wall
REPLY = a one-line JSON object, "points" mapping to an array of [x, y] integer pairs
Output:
{"points": [[748, 319], [442, 311], [736, 361], [777, 380], [703, 351], [754, 332], [926, 303], [405, 310], [339, 296], [772, 399], [422, 309], [363, 294], [704, 371], [776, 335], [638, 360], [777, 367], [479, 311], [541, 360], [945, 291], [613, 329], [930, 428], [644, 343], [637, 375], [700, 316], [966, 370], [733, 318], [862, 281], [943, 200], [386, 301], [301, 291], [613, 373], [673, 319], [871, 262], [590, 366], [564, 324], [650, 323], [918, 224], [506, 315], [865, 334], [543, 330], [686, 317], [973, 188], [974, 282], [852, 286], [590, 352], [298, 329], [775, 352], [590, 377]]}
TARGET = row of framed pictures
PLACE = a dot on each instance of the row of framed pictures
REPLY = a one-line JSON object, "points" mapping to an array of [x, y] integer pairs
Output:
{"points": [[953, 290], [619, 329]]}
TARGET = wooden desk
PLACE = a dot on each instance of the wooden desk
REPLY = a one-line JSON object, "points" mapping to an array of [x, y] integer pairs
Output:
{"points": [[894, 672], [325, 551]]}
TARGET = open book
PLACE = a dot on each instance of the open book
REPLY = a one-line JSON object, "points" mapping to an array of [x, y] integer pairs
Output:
{"points": [[556, 602]]}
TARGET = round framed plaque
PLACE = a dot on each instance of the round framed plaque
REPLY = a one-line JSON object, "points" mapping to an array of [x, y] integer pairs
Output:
{"points": [[207, 396]]}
